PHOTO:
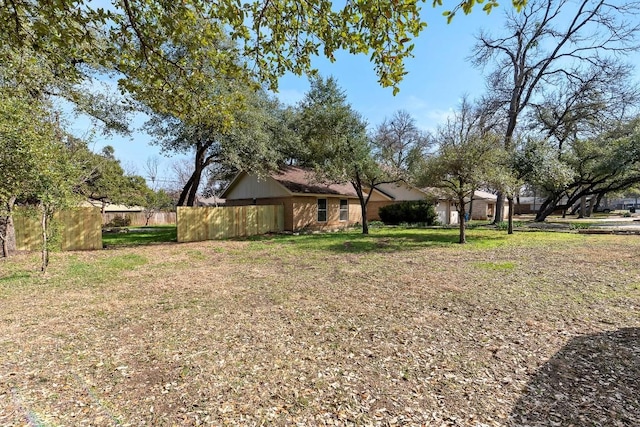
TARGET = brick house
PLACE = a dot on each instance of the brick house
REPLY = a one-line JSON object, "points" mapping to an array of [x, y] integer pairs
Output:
{"points": [[308, 203]]}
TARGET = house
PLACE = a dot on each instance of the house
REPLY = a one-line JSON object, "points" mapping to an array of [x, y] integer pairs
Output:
{"points": [[484, 205], [308, 203], [391, 193], [398, 192], [212, 201]]}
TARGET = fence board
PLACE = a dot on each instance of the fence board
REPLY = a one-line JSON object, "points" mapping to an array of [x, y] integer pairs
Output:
{"points": [[212, 223], [80, 229]]}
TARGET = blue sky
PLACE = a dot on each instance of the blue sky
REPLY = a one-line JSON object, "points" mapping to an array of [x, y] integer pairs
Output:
{"points": [[438, 76]]}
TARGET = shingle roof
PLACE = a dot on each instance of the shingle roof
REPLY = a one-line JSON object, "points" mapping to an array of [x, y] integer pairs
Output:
{"points": [[305, 181], [479, 194]]}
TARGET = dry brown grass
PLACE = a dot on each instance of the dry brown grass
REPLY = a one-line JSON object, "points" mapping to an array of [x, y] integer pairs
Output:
{"points": [[265, 333]]}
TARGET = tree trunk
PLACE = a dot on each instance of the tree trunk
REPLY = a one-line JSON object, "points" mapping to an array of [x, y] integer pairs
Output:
{"points": [[461, 223], [190, 190], [357, 185], [7, 230], [499, 208], [185, 192], [590, 207], [510, 228], [471, 205], [365, 223], [547, 207], [45, 250], [583, 206], [193, 192], [599, 198]]}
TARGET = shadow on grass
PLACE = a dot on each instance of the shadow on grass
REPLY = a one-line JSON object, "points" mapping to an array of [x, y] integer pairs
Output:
{"points": [[14, 277], [382, 240], [140, 236], [593, 380]]}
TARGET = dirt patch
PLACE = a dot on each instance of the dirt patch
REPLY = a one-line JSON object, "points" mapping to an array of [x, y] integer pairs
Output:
{"points": [[227, 334]]}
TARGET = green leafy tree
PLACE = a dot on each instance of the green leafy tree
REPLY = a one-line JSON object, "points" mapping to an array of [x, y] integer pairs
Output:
{"points": [[25, 139], [537, 164], [335, 144], [103, 179], [250, 142], [605, 164], [155, 201], [36, 167], [53, 189], [274, 36]]}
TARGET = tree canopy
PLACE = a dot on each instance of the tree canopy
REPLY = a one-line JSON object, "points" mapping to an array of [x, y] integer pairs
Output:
{"points": [[335, 142], [400, 146], [273, 36], [561, 64]]}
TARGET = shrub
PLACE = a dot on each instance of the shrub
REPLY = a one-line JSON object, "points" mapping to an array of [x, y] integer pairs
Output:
{"points": [[579, 226], [504, 225], [411, 212], [119, 221]]}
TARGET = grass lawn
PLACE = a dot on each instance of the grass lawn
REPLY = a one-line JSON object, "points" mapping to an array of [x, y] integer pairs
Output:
{"points": [[135, 236], [402, 327]]}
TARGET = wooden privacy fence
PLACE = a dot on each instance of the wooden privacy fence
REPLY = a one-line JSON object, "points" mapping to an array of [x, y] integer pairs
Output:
{"points": [[79, 228], [207, 223]]}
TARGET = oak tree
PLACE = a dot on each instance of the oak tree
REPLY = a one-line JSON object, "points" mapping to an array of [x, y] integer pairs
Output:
{"points": [[554, 47]]}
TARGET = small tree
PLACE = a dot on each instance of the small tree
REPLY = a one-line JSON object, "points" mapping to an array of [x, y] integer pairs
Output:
{"points": [[34, 163], [155, 201], [465, 160]]}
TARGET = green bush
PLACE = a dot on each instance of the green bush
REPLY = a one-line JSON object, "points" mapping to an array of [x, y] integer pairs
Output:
{"points": [[412, 212], [504, 225]]}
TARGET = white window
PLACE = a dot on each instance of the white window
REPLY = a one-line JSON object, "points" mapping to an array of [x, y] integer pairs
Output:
{"points": [[344, 210], [322, 210]]}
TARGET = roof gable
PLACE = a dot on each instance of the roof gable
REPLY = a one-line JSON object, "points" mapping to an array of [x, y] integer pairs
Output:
{"points": [[305, 181], [288, 181], [401, 191]]}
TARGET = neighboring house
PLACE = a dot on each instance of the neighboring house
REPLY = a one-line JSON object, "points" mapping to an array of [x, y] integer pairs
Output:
{"points": [[400, 191], [484, 205], [212, 201], [308, 204], [110, 208], [389, 194]]}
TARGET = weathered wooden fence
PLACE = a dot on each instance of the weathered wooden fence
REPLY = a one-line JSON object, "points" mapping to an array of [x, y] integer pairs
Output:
{"points": [[80, 229], [140, 218], [208, 223]]}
